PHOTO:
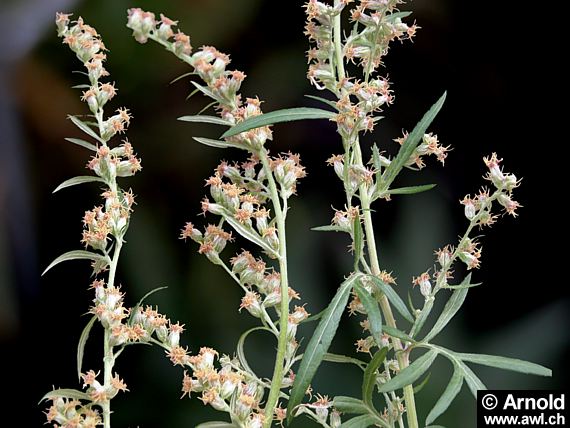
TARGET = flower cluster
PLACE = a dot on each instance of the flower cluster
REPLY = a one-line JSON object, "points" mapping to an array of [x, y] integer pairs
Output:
{"points": [[479, 211], [65, 412], [228, 389], [380, 26], [210, 65], [375, 27], [428, 146]]}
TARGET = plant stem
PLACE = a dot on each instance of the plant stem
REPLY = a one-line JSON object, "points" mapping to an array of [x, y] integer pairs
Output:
{"points": [[403, 361], [371, 241], [108, 357], [278, 371]]}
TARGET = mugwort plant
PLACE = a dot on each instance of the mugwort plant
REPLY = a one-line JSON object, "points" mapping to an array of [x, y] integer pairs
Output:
{"points": [[249, 200]]}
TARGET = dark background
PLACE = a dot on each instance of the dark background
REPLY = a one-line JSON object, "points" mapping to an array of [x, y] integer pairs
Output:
{"points": [[490, 62]]}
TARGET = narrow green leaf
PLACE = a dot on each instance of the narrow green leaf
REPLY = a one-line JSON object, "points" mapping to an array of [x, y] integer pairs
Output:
{"points": [[205, 119], [66, 393], [323, 100], [376, 159], [396, 15], [357, 241], [182, 76], [422, 318], [319, 344], [343, 359], [410, 190], [241, 342], [207, 106], [82, 143], [76, 255], [422, 384], [83, 86], [369, 379], [411, 303], [216, 424], [314, 317], [328, 228], [191, 94], [350, 405], [362, 421], [410, 144], [206, 91], [393, 297], [82, 341], [451, 307], [278, 116], [372, 310], [85, 128], [436, 426], [505, 363], [78, 180], [411, 373], [447, 397], [218, 144], [394, 332], [248, 234], [473, 382]]}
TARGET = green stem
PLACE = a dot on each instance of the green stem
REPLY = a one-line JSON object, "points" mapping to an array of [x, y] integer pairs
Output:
{"points": [[371, 241], [278, 371], [108, 357], [402, 358]]}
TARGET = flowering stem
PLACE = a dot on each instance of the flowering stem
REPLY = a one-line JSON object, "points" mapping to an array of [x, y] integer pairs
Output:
{"points": [[108, 357], [402, 358], [370, 238], [277, 379]]}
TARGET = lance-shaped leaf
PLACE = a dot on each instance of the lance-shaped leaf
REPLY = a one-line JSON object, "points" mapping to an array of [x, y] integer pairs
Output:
{"points": [[369, 379], [82, 143], [323, 100], [411, 373], [218, 143], [78, 180], [372, 310], [350, 405], [394, 332], [249, 234], [362, 421], [358, 242], [77, 255], [451, 307], [85, 128], [205, 119], [205, 91], [393, 297], [66, 393], [343, 359], [81, 345], [278, 116], [319, 344], [473, 382], [447, 397], [409, 190], [505, 363], [412, 141], [328, 228], [396, 15]]}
